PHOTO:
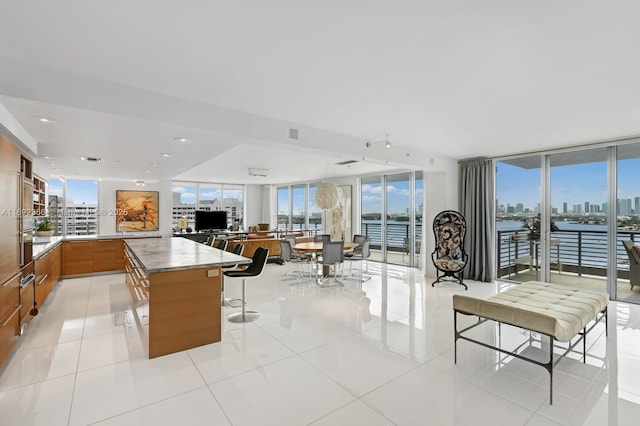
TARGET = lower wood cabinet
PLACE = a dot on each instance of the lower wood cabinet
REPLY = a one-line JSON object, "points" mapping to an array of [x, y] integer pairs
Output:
{"points": [[77, 257], [105, 255], [41, 268], [9, 315]]}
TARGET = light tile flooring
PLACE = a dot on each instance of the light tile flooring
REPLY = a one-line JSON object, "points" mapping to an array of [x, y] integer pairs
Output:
{"points": [[373, 353]]}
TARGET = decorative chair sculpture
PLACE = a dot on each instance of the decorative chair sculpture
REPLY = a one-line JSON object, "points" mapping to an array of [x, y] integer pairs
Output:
{"points": [[449, 257]]}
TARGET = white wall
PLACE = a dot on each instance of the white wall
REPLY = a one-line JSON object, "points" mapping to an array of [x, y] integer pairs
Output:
{"points": [[253, 205], [107, 203], [440, 193]]}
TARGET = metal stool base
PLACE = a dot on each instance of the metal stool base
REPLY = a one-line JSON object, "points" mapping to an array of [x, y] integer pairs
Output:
{"points": [[246, 316]]}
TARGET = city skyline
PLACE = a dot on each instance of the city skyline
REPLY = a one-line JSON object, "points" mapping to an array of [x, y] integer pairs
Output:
{"points": [[573, 184]]}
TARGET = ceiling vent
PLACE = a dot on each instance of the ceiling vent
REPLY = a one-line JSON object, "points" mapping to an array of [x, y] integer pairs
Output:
{"points": [[344, 163], [294, 133], [259, 172]]}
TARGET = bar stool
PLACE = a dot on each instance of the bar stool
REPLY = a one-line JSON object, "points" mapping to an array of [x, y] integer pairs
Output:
{"points": [[237, 249], [253, 271]]}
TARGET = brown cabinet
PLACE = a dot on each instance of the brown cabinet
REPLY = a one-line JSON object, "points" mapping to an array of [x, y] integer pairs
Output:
{"points": [[9, 186], [77, 257], [55, 267], [39, 196], [87, 256], [41, 267], [120, 259], [9, 315], [105, 255]]}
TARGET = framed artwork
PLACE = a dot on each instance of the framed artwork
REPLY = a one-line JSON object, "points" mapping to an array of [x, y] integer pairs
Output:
{"points": [[136, 211], [339, 219]]}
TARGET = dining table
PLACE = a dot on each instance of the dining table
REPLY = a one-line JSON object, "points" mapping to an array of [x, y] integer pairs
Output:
{"points": [[315, 247]]}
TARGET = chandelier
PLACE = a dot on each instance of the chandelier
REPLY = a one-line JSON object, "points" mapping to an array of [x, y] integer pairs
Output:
{"points": [[328, 195]]}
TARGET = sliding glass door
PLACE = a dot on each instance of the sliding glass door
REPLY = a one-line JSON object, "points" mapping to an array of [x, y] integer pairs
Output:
{"points": [[391, 215], [579, 225], [517, 217], [583, 207]]}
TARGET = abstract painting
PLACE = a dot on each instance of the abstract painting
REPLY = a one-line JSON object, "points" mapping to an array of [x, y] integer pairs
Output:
{"points": [[136, 211]]}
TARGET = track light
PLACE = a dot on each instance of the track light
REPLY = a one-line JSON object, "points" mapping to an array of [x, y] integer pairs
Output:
{"points": [[386, 142]]}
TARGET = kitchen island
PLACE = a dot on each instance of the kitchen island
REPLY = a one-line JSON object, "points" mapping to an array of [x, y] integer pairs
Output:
{"points": [[175, 286]]}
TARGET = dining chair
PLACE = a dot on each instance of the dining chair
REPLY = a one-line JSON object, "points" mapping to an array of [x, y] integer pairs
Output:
{"points": [[322, 237], [287, 255], [332, 255], [360, 256], [254, 271], [222, 244]]}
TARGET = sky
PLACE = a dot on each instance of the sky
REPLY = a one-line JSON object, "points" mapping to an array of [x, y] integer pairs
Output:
{"points": [[80, 191], [397, 198], [571, 184]]}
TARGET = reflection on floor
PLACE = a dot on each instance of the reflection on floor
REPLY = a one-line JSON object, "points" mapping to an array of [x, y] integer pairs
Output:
{"points": [[372, 353]]}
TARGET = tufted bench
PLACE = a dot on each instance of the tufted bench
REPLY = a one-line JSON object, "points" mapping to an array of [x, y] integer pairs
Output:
{"points": [[557, 311]]}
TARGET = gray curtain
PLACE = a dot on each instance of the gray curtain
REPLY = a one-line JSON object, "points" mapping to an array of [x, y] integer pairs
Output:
{"points": [[477, 206]]}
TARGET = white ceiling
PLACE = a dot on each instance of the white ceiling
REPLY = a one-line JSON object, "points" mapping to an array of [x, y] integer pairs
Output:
{"points": [[445, 79]]}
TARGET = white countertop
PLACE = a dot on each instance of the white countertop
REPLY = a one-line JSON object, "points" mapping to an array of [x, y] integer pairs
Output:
{"points": [[170, 254]]}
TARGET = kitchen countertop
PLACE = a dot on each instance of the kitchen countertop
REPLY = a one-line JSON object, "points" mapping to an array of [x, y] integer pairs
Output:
{"points": [[170, 254]]}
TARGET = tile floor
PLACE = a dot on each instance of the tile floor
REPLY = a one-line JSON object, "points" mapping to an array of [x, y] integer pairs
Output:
{"points": [[373, 353]]}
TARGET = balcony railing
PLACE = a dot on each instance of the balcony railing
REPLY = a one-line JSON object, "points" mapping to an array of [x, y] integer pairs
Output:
{"points": [[581, 252]]}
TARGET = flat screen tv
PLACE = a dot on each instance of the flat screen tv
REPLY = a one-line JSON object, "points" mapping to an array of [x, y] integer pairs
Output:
{"points": [[211, 220]]}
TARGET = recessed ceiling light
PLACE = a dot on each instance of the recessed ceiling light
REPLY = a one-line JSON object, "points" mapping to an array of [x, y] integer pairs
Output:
{"points": [[148, 171], [52, 164], [164, 154], [154, 165], [183, 140], [47, 120], [48, 157]]}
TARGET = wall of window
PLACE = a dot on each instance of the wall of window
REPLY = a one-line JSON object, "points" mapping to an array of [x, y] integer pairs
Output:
{"points": [[391, 209], [297, 208], [563, 216], [189, 196], [73, 206]]}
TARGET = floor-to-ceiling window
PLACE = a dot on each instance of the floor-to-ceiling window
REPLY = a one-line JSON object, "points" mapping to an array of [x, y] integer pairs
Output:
{"points": [[628, 218], [55, 205], [391, 215], [371, 208], [517, 214], [578, 196], [233, 203], [315, 213], [299, 207], [184, 203], [81, 207], [589, 205], [283, 207], [189, 196]]}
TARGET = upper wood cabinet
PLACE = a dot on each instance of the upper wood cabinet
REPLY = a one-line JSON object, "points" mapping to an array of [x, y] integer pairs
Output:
{"points": [[9, 189], [39, 196]]}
